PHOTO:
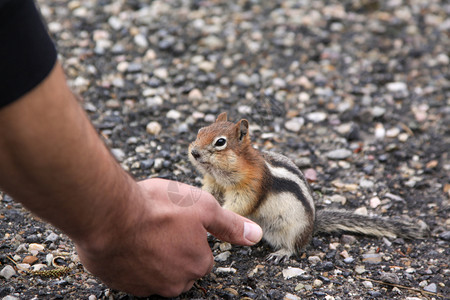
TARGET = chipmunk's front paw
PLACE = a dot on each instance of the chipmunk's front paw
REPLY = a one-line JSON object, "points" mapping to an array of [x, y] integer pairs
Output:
{"points": [[280, 256]]}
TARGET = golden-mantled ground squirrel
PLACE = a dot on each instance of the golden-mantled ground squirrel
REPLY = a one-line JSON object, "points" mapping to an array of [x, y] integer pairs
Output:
{"points": [[269, 189]]}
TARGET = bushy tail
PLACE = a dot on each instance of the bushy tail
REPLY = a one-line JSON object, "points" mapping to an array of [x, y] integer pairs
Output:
{"points": [[345, 221]]}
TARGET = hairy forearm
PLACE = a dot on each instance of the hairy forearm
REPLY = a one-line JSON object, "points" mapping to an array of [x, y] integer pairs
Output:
{"points": [[53, 162]]}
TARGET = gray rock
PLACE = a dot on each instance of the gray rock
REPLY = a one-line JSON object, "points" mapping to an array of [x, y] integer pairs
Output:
{"points": [[445, 235], [52, 237], [118, 154], [222, 256], [294, 124], [7, 272], [389, 277], [338, 154], [431, 288]]}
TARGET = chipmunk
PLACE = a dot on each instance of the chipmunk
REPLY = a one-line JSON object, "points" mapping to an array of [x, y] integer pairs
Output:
{"points": [[270, 189]]}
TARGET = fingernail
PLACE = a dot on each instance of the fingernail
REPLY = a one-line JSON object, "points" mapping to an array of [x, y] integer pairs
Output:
{"points": [[252, 232]]}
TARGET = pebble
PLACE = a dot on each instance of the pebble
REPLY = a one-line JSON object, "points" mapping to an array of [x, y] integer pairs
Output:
{"points": [[378, 111], [226, 270], [52, 237], [92, 297], [317, 117], [195, 94], [338, 199], [36, 247], [374, 202], [314, 259], [153, 128], [445, 236], [349, 260], [372, 258], [432, 288], [29, 259], [310, 175], [361, 211], [222, 256], [289, 296], [360, 269], [389, 277], [367, 284], [225, 246], [397, 87], [290, 272], [294, 124], [10, 297], [7, 272], [338, 154], [118, 153], [317, 283], [159, 163], [366, 184], [140, 40], [173, 114]]}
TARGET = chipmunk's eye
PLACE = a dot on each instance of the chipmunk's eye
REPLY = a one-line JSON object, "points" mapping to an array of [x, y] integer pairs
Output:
{"points": [[220, 143]]}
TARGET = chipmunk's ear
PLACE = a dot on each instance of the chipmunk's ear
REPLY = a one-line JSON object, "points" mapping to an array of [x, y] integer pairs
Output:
{"points": [[222, 117], [242, 129]]}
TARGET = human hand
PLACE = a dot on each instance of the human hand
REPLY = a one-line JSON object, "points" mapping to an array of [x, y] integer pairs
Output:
{"points": [[158, 247]]}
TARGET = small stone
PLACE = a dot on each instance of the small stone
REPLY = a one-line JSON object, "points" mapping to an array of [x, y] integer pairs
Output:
{"points": [[410, 270], [92, 297], [242, 80], [228, 270], [153, 128], [36, 247], [344, 254], [361, 211], [339, 154], [30, 259], [212, 42], [380, 132], [7, 272], [317, 283], [195, 94], [378, 111], [173, 114], [52, 237], [317, 117], [292, 272], [279, 83], [392, 132], [161, 73], [206, 66], [10, 297], [367, 284], [432, 288], [294, 124], [141, 41], [397, 87], [222, 256], [366, 184], [445, 236], [112, 103], [374, 202], [403, 137], [225, 246], [158, 165], [118, 154], [310, 175], [289, 296], [360, 269], [299, 287], [389, 277], [349, 260], [348, 239], [338, 199], [314, 259], [372, 258]]}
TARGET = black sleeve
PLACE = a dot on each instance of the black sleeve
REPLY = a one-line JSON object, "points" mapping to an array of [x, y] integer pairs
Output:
{"points": [[27, 54]]}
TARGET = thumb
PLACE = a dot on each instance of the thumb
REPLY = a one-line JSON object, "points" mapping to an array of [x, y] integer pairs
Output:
{"points": [[231, 227]]}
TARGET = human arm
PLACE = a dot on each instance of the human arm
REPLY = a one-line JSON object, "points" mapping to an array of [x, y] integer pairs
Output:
{"points": [[129, 234]]}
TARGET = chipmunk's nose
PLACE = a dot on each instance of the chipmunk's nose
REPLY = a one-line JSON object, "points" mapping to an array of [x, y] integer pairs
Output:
{"points": [[195, 153]]}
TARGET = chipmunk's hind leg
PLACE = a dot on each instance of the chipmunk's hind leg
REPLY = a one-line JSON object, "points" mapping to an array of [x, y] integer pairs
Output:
{"points": [[280, 256]]}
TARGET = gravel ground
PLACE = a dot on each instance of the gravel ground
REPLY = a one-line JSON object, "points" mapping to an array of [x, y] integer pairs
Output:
{"points": [[355, 92]]}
